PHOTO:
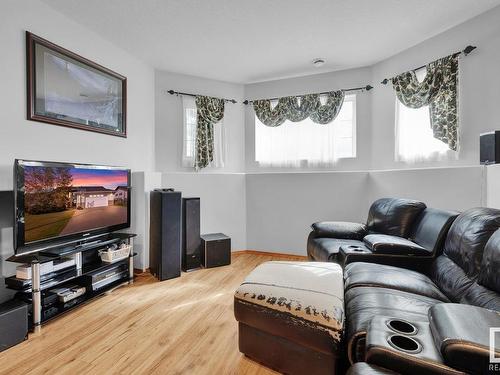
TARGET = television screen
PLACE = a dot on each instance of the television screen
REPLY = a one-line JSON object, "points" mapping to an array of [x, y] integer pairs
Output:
{"points": [[56, 200]]}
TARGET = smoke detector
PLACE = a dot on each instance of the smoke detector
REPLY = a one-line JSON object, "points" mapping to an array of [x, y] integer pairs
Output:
{"points": [[318, 62]]}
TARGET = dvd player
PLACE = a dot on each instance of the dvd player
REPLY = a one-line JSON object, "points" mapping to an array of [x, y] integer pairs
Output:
{"points": [[105, 276]]}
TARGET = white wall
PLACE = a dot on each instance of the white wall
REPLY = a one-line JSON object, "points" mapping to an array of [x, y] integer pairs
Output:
{"points": [[222, 190], [449, 188], [282, 203], [479, 88], [222, 201], [282, 206], [143, 183], [169, 131], [20, 138], [493, 186]]}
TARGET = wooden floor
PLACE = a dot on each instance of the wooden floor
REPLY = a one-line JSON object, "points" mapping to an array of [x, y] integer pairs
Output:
{"points": [[180, 326]]}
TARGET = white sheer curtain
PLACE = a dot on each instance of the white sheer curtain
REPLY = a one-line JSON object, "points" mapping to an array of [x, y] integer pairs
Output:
{"points": [[415, 141], [189, 137], [296, 144]]}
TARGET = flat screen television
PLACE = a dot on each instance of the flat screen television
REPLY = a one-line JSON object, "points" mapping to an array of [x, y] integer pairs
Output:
{"points": [[64, 201]]}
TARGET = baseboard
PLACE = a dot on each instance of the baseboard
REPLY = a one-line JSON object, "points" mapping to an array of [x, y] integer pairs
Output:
{"points": [[270, 253], [138, 271]]}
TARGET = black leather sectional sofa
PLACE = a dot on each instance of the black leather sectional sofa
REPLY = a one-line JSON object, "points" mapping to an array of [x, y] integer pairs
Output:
{"points": [[422, 287]]}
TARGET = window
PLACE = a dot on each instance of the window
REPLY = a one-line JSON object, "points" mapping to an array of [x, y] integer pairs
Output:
{"points": [[189, 141], [414, 138], [189, 136], [305, 143]]}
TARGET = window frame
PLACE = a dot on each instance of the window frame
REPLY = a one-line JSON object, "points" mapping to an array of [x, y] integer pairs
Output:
{"points": [[354, 128]]}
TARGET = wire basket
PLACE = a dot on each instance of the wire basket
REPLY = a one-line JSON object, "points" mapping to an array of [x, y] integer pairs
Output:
{"points": [[112, 256]]}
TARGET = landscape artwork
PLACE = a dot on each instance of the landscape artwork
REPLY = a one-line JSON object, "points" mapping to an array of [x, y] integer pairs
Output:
{"points": [[60, 201]]}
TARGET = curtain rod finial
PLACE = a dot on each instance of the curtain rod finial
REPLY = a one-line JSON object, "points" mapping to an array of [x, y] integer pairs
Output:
{"points": [[469, 49], [245, 102], [171, 92], [385, 81], [368, 87]]}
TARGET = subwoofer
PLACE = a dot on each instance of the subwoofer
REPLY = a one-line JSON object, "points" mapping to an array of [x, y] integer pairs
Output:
{"points": [[489, 147], [165, 234], [13, 323], [191, 241], [215, 250]]}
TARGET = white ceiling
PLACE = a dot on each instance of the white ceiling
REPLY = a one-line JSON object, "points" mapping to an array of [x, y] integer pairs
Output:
{"points": [[257, 40]]}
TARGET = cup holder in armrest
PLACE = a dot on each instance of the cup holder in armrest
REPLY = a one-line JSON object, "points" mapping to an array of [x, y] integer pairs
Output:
{"points": [[403, 352], [405, 344], [356, 248], [402, 326]]}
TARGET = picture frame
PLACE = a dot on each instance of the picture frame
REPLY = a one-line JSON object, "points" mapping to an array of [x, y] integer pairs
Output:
{"points": [[69, 90]]}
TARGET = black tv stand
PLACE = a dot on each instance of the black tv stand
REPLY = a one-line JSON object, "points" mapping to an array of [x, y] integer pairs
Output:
{"points": [[37, 290]]}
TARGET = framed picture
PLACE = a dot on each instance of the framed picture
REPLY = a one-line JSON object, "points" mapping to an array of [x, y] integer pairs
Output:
{"points": [[68, 90]]}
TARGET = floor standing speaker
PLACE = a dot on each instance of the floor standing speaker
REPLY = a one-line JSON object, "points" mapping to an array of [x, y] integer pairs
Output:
{"points": [[165, 234], [191, 241], [489, 147], [13, 323]]}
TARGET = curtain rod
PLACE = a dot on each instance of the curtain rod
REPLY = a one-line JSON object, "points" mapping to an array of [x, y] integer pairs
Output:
{"points": [[172, 92], [465, 51], [367, 88]]}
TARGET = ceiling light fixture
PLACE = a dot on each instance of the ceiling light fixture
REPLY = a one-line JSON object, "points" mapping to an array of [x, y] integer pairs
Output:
{"points": [[318, 62]]}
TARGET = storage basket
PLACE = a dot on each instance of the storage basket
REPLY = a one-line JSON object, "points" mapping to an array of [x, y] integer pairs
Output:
{"points": [[112, 256]]}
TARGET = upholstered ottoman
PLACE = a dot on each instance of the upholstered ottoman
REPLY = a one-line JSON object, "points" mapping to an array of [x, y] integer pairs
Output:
{"points": [[291, 316]]}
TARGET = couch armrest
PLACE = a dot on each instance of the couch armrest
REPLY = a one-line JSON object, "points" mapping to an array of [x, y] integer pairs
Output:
{"points": [[339, 229], [386, 244], [462, 334]]}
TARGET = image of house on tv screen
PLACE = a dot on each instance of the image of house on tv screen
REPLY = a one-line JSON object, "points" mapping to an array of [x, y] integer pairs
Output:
{"points": [[62, 201]]}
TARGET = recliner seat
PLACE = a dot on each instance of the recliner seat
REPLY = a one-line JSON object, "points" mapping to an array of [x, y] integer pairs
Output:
{"points": [[390, 216], [395, 227], [466, 272]]}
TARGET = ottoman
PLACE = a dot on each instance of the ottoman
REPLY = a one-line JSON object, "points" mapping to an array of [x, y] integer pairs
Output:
{"points": [[291, 316]]}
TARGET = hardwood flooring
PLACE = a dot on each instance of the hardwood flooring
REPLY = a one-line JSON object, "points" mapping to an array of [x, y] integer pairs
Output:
{"points": [[180, 326]]}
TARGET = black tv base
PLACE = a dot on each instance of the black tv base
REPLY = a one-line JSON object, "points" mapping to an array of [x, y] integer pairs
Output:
{"points": [[88, 271]]}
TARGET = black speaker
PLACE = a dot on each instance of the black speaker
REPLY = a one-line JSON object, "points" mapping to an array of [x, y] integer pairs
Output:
{"points": [[13, 323], [191, 241], [165, 234], [215, 250], [489, 147]]}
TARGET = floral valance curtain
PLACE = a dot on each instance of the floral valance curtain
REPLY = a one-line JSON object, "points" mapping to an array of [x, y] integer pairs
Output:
{"points": [[298, 108], [209, 111], [438, 90]]}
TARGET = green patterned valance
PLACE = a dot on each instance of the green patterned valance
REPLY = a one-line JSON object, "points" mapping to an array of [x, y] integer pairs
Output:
{"points": [[438, 90], [298, 108], [209, 111]]}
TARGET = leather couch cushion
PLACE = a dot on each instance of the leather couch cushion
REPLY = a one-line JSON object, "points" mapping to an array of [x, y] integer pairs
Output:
{"points": [[339, 229], [377, 275], [327, 249], [450, 278], [431, 227], [363, 368], [462, 334], [308, 296], [478, 295], [363, 303], [489, 274], [421, 358], [387, 244], [468, 236], [393, 216]]}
